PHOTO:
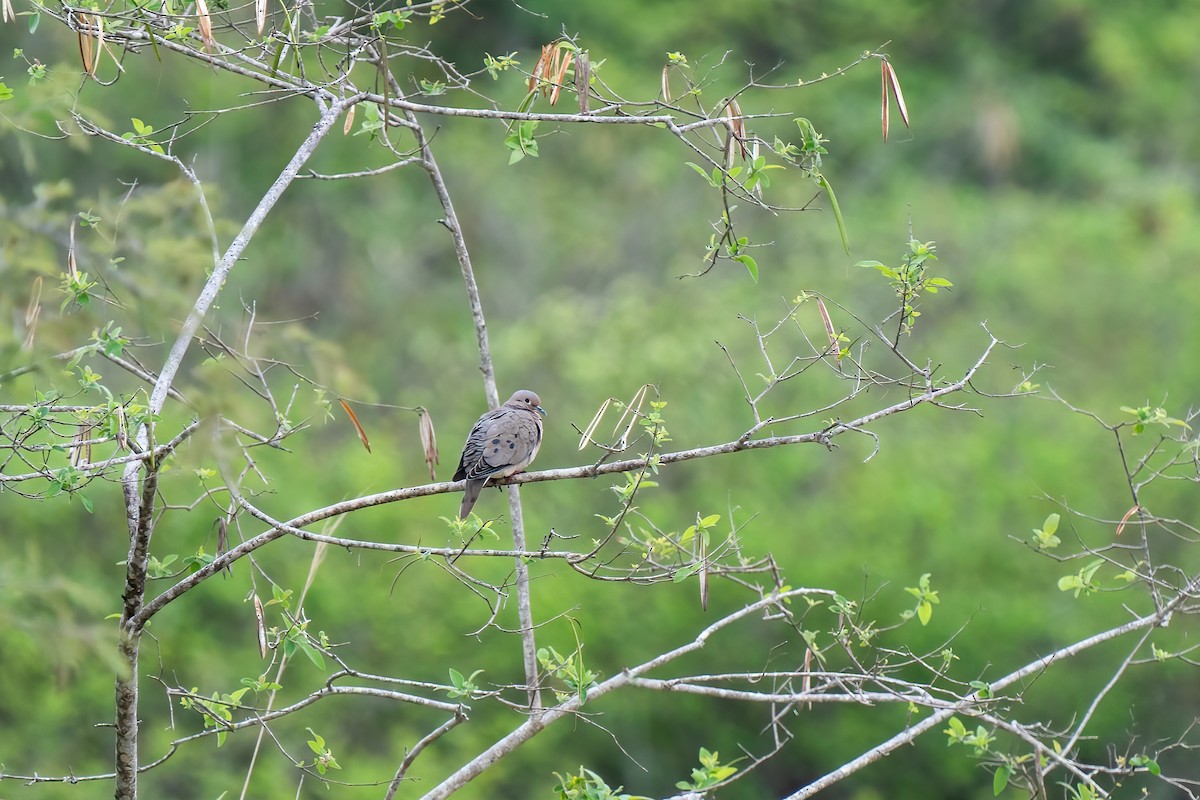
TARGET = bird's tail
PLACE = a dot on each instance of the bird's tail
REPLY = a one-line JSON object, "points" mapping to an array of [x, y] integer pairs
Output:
{"points": [[470, 495]]}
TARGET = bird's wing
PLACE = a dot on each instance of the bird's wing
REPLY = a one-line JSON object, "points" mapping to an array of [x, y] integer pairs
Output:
{"points": [[502, 443]]}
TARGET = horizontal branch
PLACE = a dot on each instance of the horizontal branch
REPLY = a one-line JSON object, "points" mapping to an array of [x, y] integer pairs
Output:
{"points": [[457, 709], [153, 454], [294, 526]]}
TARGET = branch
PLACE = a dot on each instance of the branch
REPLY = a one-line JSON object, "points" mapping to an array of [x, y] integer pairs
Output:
{"points": [[534, 725], [967, 704]]}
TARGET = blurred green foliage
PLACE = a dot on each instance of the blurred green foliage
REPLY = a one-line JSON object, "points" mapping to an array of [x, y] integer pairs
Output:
{"points": [[1052, 157]]}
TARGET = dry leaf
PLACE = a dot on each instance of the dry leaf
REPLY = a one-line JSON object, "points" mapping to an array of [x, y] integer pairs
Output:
{"points": [[122, 429], [76, 450], [628, 420], [703, 574], [349, 124], [205, 25], [632, 410], [260, 14], [72, 268], [85, 44], [884, 97], [428, 441], [830, 331], [99, 20], [362, 435], [899, 95], [32, 312], [561, 73], [666, 83], [583, 80], [261, 624], [806, 685], [8, 10], [586, 438], [737, 127], [539, 68], [1125, 518]]}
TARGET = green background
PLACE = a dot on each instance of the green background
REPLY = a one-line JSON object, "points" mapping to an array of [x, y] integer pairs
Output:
{"points": [[1053, 157]]}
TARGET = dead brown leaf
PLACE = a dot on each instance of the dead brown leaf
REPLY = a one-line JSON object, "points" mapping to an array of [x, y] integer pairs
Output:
{"points": [[362, 435]]}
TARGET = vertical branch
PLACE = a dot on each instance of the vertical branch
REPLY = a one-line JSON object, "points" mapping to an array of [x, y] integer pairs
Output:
{"points": [[524, 602], [140, 514], [139, 504], [212, 286], [464, 258]]}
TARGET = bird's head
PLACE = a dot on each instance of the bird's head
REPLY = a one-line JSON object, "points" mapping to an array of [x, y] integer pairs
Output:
{"points": [[526, 399]]}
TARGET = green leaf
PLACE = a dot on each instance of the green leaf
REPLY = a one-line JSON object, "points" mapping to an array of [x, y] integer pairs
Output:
{"points": [[1000, 779], [703, 174], [751, 266], [1068, 582], [924, 611], [314, 655], [710, 520], [956, 732], [1146, 761], [34, 19], [5, 92], [1050, 525], [823, 182]]}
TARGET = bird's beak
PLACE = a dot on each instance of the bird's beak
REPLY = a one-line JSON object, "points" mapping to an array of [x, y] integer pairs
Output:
{"points": [[540, 410]]}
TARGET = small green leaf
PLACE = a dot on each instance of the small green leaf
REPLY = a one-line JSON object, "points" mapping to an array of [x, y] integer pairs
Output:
{"points": [[1000, 779], [751, 266], [823, 182], [314, 655], [1147, 762], [956, 732], [703, 174]]}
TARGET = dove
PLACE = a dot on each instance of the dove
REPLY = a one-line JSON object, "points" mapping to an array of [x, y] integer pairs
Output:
{"points": [[502, 443]]}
